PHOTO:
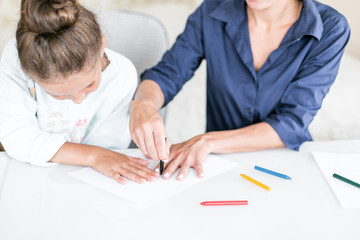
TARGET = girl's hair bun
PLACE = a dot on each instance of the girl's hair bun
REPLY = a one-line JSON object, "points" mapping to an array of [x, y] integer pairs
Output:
{"points": [[49, 16], [56, 38]]}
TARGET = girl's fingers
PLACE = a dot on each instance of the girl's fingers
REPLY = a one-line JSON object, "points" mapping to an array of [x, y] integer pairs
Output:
{"points": [[129, 174], [142, 170], [116, 176], [147, 173], [140, 161]]}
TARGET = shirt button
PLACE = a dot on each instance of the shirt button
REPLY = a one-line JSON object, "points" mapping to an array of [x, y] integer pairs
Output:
{"points": [[248, 110]]}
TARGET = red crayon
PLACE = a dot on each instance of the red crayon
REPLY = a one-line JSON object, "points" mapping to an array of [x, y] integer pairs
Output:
{"points": [[222, 203]]}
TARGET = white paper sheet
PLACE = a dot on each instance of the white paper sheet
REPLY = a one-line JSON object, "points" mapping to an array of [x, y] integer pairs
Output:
{"points": [[144, 195], [346, 165]]}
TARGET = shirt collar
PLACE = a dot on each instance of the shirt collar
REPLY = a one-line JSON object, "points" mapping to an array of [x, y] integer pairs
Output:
{"points": [[230, 11], [309, 23]]}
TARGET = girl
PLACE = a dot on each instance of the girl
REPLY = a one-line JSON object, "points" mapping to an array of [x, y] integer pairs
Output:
{"points": [[64, 97]]}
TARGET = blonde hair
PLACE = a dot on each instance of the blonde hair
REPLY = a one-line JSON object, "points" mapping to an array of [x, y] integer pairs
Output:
{"points": [[56, 38]]}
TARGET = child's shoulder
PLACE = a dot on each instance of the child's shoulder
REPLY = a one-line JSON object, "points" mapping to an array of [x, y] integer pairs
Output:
{"points": [[120, 73], [119, 62], [10, 52], [11, 67], [10, 45]]}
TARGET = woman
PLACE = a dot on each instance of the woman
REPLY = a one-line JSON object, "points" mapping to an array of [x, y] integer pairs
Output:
{"points": [[270, 63]]}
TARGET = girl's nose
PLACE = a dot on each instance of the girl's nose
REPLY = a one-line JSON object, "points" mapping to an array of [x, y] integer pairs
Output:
{"points": [[78, 98]]}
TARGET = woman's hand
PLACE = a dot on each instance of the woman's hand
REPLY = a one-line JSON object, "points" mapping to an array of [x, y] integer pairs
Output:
{"points": [[148, 131], [146, 125], [191, 153]]}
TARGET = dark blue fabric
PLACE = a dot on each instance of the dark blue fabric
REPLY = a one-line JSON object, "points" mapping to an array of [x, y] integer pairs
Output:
{"points": [[288, 89]]}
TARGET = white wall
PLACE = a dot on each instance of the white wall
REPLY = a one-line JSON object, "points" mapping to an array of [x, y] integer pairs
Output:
{"points": [[350, 9]]}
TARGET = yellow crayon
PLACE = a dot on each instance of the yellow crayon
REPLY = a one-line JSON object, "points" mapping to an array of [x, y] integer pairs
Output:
{"points": [[256, 182]]}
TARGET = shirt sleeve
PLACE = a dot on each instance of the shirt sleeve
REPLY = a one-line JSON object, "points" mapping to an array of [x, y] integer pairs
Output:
{"points": [[181, 61], [304, 95], [20, 134]]}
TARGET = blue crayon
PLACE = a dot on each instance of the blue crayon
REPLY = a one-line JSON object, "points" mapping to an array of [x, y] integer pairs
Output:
{"points": [[272, 173]]}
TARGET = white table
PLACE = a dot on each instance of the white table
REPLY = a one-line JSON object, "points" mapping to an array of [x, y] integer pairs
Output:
{"points": [[46, 203]]}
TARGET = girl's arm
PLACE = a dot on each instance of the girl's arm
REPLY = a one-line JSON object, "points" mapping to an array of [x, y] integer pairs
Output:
{"points": [[109, 163]]}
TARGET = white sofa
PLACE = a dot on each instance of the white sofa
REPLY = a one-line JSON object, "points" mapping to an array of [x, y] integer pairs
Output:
{"points": [[339, 116]]}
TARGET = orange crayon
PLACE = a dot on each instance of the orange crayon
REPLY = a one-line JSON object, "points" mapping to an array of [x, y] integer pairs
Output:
{"points": [[256, 182]]}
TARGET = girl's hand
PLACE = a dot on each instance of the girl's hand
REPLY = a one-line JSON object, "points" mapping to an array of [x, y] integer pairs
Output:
{"points": [[112, 164], [191, 153], [119, 166]]}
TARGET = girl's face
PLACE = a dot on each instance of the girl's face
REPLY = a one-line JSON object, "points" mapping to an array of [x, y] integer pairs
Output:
{"points": [[76, 87]]}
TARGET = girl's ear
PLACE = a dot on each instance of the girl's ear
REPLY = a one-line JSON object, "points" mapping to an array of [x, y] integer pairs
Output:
{"points": [[102, 45]]}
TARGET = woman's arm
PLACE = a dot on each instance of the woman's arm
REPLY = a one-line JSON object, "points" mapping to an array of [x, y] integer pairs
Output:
{"points": [[167, 78], [193, 153], [146, 125], [255, 137]]}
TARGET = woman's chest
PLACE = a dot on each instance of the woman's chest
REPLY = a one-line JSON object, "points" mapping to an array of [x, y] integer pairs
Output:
{"points": [[263, 42]]}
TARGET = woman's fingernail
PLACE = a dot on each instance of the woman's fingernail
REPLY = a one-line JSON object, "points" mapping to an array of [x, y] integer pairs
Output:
{"points": [[165, 161], [157, 170], [166, 175], [180, 177], [202, 174], [142, 180]]}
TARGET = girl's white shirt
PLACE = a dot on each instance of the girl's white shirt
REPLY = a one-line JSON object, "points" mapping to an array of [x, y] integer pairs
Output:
{"points": [[32, 129]]}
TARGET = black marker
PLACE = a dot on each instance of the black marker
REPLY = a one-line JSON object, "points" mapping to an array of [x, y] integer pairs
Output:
{"points": [[161, 167], [162, 164]]}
